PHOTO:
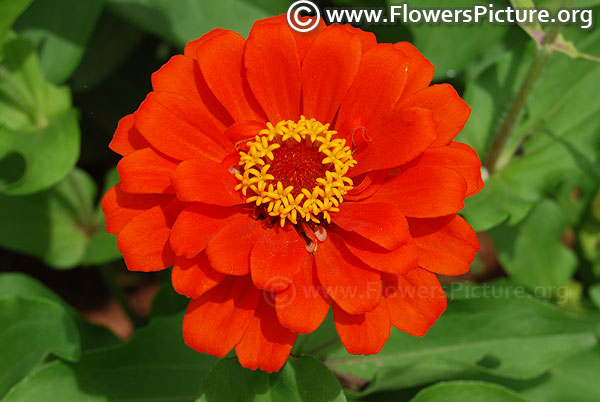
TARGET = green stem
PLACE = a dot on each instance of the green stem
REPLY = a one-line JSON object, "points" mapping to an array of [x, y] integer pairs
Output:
{"points": [[117, 292], [538, 63]]}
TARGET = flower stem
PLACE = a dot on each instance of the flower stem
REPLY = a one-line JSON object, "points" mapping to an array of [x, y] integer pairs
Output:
{"points": [[538, 63]]}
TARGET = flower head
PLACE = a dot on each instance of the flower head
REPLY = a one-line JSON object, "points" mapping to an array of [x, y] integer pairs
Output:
{"points": [[288, 173]]}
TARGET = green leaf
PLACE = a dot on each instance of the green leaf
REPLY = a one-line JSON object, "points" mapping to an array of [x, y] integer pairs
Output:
{"points": [[490, 94], [532, 252], [167, 301], [154, 365], [594, 293], [39, 133], [460, 391], [102, 247], [179, 22], [60, 29], [575, 379], [559, 134], [11, 9], [59, 225], [47, 224], [486, 330], [302, 379], [92, 336], [451, 48], [30, 330]]}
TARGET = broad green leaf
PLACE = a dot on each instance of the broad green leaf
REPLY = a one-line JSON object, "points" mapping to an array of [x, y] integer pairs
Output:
{"points": [[92, 336], [460, 391], [60, 29], [532, 252], [39, 133], [48, 224], [302, 379], [179, 22], [451, 48], [59, 225], [575, 379], [492, 331], [154, 365], [11, 9], [30, 330]]}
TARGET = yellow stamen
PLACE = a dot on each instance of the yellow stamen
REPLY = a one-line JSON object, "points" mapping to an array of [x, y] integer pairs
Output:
{"points": [[311, 204]]}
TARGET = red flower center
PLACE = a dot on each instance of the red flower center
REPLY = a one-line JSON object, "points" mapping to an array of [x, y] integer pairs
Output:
{"points": [[298, 165], [296, 169]]}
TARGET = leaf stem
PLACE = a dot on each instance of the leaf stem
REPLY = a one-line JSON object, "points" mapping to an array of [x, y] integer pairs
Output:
{"points": [[543, 54]]}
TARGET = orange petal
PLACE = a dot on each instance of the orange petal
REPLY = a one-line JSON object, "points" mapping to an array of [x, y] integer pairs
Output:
{"points": [[229, 250], [216, 321], [191, 48], [450, 111], [397, 139], [273, 69], [460, 157], [146, 172], [305, 39], [196, 225], [367, 39], [347, 280], [398, 261], [179, 128], [363, 334], [192, 277], [127, 138], [120, 207], [447, 245], [380, 223], [220, 58], [328, 70], [424, 192], [415, 300], [266, 344], [181, 75], [203, 180], [276, 258], [144, 241], [376, 88], [420, 70], [244, 130], [302, 307]]}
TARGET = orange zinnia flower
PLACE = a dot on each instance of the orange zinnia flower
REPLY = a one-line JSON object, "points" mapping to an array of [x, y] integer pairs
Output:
{"points": [[288, 172]]}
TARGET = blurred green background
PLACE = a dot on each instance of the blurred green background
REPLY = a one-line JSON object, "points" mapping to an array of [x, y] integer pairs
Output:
{"points": [[521, 326]]}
